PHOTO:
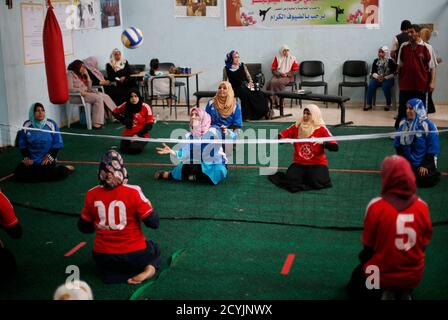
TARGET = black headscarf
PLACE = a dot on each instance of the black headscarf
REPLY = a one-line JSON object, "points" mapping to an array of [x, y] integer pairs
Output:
{"points": [[132, 109]]}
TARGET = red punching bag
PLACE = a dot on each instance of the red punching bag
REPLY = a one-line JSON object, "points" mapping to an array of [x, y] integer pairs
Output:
{"points": [[54, 59]]}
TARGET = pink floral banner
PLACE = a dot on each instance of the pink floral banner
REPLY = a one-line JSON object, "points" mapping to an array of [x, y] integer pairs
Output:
{"points": [[281, 13]]}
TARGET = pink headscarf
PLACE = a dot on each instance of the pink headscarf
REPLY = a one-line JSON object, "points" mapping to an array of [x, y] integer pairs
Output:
{"points": [[204, 119], [398, 185], [91, 63]]}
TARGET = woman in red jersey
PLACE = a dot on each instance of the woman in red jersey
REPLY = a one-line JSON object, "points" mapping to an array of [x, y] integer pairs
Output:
{"points": [[115, 210], [309, 169], [397, 229], [138, 119]]}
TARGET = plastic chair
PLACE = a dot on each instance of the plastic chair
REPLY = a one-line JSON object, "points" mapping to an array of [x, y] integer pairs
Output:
{"points": [[165, 66], [354, 69], [312, 69], [72, 102]]}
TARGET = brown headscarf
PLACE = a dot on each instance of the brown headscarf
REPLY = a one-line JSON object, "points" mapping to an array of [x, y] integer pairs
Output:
{"points": [[316, 121], [225, 105]]}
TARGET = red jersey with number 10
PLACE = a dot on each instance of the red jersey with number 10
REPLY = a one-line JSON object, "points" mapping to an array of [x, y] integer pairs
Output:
{"points": [[117, 216], [308, 153], [398, 240]]}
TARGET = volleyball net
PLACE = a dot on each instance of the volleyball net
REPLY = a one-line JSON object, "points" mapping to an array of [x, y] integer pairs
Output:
{"points": [[246, 195]]}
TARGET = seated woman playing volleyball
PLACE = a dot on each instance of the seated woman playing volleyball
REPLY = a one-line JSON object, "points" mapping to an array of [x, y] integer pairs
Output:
{"points": [[201, 162], [397, 229], [309, 169], [115, 210], [40, 149], [420, 149]]}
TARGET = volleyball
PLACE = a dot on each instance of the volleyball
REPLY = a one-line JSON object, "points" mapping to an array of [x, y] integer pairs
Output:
{"points": [[132, 38]]}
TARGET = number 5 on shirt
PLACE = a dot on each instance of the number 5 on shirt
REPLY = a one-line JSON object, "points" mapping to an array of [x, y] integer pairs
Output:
{"points": [[403, 230]]}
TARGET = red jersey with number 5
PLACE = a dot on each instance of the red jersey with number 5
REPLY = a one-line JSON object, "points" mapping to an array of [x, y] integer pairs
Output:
{"points": [[117, 216], [398, 240]]}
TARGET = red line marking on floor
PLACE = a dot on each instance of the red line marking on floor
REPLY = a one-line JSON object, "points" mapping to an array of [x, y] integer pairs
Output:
{"points": [[76, 248], [288, 264], [7, 177], [141, 164]]}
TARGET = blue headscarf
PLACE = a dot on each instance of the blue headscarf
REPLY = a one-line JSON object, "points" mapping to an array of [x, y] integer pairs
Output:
{"points": [[413, 125], [229, 59], [36, 123]]}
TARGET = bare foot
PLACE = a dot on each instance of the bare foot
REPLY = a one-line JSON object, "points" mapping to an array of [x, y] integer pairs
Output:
{"points": [[70, 168], [148, 273], [161, 174]]}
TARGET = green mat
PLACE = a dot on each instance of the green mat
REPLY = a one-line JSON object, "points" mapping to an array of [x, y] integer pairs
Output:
{"points": [[234, 237]]}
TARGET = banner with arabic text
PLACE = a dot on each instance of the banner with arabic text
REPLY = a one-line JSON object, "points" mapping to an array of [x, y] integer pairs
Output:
{"points": [[283, 13]]}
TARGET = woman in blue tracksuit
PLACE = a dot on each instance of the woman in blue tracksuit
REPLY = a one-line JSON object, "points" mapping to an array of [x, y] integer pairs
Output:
{"points": [[39, 149], [202, 162], [420, 149]]}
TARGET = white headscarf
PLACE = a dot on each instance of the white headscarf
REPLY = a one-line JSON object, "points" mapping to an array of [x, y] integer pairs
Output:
{"points": [[306, 129], [386, 52], [78, 290], [117, 65], [285, 63]]}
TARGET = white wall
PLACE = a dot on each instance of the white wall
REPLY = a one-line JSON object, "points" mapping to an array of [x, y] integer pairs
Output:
{"points": [[203, 42], [21, 85]]}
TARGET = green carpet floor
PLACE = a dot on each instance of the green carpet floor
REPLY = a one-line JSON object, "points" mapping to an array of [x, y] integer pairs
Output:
{"points": [[231, 240]]}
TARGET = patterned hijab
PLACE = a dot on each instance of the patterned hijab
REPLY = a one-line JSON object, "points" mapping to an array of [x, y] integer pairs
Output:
{"points": [[285, 63], [225, 105], [229, 60], [398, 182], [413, 125], [383, 64], [36, 123], [91, 63], [306, 129], [117, 65], [112, 172], [204, 122]]}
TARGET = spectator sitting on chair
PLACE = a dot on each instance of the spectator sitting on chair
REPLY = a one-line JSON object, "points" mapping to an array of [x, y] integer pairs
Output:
{"points": [[383, 71], [40, 149], [138, 120], [79, 81], [254, 104], [159, 87], [115, 210], [284, 67], [398, 259], [118, 94], [310, 167], [10, 223], [420, 149], [199, 162], [118, 70]]}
